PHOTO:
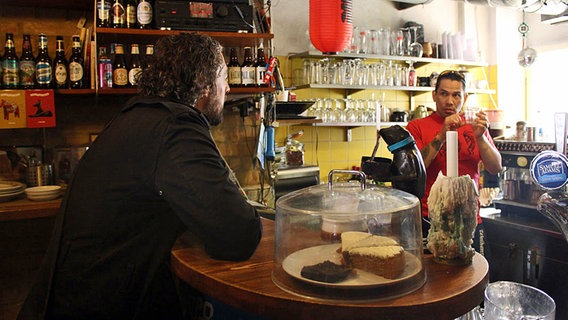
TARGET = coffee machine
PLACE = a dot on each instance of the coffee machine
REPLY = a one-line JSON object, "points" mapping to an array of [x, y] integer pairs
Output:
{"points": [[516, 183], [521, 244]]}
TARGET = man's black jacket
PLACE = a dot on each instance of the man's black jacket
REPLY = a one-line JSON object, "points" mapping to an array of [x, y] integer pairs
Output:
{"points": [[151, 174]]}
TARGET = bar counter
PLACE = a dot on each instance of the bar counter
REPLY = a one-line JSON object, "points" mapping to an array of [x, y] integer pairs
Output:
{"points": [[21, 208], [449, 291]]}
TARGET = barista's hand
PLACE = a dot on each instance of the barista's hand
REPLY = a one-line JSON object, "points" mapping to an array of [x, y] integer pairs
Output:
{"points": [[480, 124], [451, 123]]}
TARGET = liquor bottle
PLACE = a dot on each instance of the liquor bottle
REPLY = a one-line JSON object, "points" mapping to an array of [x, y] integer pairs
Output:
{"points": [[105, 69], [149, 55], [103, 13], [130, 16], [118, 14], [144, 14], [27, 64], [44, 78], [134, 67], [60, 74], [119, 70], [76, 65], [412, 79], [260, 68], [234, 69], [247, 69], [10, 70]]}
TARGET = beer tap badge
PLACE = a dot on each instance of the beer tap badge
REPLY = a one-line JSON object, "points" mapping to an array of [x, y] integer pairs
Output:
{"points": [[549, 170]]}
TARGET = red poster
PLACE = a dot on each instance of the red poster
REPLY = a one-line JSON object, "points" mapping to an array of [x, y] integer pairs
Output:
{"points": [[40, 107], [13, 105]]}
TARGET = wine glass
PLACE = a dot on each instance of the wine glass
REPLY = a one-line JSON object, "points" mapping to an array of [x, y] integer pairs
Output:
{"points": [[415, 48]]}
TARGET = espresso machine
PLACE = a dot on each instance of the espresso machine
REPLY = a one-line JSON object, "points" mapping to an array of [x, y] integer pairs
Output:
{"points": [[521, 244]]}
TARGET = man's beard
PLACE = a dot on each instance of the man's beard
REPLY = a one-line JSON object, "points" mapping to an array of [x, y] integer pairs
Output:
{"points": [[214, 110]]}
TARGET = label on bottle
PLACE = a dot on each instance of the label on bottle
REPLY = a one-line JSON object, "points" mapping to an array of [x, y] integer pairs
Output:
{"points": [[117, 13], [120, 77], [105, 73], [248, 75], [103, 10], [60, 74], [260, 72], [43, 72], [27, 73], [130, 15], [144, 13], [133, 75], [10, 73], [75, 71], [234, 75]]}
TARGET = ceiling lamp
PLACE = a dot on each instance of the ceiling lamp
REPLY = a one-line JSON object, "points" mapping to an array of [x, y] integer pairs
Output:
{"points": [[527, 55], [330, 24]]}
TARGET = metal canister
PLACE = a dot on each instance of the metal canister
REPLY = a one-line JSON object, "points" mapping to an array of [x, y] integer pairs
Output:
{"points": [[40, 175]]}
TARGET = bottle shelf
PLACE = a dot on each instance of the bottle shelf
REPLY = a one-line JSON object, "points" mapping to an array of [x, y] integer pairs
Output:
{"points": [[228, 39]]}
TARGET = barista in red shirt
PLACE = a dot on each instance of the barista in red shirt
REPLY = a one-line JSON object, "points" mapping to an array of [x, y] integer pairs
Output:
{"points": [[475, 145]]}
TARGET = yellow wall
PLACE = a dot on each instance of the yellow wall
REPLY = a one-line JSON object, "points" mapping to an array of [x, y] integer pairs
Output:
{"points": [[328, 146]]}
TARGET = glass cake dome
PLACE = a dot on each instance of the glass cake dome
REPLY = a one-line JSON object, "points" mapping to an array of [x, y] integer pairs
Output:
{"points": [[312, 261]]}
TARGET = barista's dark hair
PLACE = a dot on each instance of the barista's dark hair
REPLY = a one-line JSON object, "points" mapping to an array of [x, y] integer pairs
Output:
{"points": [[182, 67], [451, 75]]}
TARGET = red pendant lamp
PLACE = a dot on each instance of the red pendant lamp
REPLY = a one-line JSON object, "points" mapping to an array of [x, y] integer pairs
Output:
{"points": [[330, 24]]}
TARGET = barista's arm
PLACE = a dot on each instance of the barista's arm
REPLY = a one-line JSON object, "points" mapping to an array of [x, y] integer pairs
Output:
{"points": [[489, 154], [430, 150]]}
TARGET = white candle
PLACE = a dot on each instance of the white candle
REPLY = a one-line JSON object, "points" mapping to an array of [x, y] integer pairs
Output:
{"points": [[452, 153]]}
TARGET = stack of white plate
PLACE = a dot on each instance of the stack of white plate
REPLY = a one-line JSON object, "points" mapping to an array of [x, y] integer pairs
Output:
{"points": [[10, 190], [43, 193]]}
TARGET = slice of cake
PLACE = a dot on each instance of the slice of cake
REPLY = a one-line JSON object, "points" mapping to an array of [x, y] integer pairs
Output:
{"points": [[326, 271], [380, 255]]}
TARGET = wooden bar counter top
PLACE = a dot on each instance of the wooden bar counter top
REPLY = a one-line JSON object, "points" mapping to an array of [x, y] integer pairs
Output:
{"points": [[22, 208], [449, 291]]}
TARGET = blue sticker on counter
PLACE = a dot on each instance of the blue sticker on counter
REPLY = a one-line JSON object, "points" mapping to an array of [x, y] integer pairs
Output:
{"points": [[549, 169]]}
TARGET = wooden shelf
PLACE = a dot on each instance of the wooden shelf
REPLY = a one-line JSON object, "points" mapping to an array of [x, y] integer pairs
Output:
{"points": [[58, 4], [22, 208], [131, 91], [74, 91], [228, 39]]}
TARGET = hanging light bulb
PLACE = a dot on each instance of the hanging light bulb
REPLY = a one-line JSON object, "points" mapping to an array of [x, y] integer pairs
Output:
{"points": [[527, 55]]}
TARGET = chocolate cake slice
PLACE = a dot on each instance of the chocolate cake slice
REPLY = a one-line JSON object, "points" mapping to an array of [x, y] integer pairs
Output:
{"points": [[326, 271]]}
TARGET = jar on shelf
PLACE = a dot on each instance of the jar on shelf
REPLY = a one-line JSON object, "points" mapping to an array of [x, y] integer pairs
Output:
{"points": [[294, 152]]}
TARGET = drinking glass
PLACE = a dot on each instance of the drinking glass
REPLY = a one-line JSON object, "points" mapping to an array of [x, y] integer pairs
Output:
{"points": [[335, 73], [400, 45], [415, 49], [362, 42], [384, 40], [352, 47], [307, 64], [510, 300], [327, 112], [373, 44], [470, 114], [350, 111]]}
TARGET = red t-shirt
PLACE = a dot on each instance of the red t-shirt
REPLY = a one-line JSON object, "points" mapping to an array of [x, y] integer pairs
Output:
{"points": [[424, 130]]}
